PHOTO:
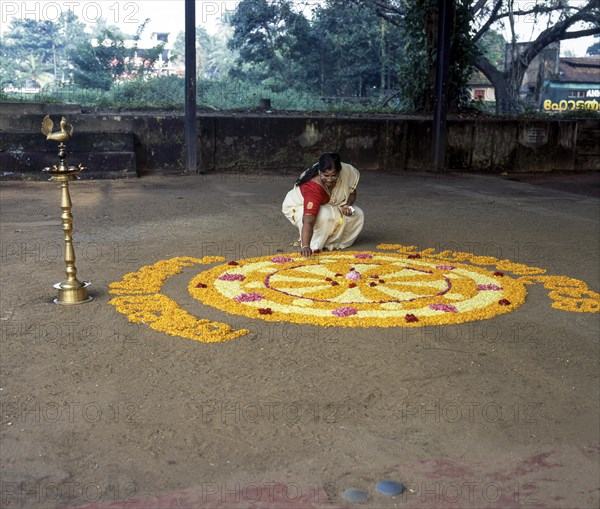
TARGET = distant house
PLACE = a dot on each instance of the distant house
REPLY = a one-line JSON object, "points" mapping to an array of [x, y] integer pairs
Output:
{"points": [[162, 66], [551, 83], [575, 86], [481, 88]]}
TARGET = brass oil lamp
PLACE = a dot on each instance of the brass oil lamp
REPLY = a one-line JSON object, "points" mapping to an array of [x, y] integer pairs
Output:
{"points": [[71, 291]]}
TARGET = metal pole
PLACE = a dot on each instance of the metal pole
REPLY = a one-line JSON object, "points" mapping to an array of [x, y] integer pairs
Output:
{"points": [[190, 86], [444, 36]]}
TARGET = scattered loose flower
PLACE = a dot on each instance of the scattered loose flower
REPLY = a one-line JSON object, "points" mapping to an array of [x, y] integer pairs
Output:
{"points": [[410, 318], [504, 302], [265, 311]]}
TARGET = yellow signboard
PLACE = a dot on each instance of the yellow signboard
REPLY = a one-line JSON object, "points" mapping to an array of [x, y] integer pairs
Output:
{"points": [[565, 105]]}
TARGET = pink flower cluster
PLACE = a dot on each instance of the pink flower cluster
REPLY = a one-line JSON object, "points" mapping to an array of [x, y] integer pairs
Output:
{"points": [[445, 267], [447, 308], [282, 259], [344, 311], [231, 277], [489, 287], [248, 297], [363, 256], [353, 275]]}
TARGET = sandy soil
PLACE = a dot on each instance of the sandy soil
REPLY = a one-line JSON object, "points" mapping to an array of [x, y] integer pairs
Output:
{"points": [[100, 412]]}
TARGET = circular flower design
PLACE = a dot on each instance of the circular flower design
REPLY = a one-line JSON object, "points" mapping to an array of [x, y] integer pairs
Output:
{"points": [[358, 290], [400, 289]]}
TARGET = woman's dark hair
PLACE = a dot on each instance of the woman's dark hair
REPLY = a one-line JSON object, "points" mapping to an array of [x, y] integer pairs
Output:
{"points": [[327, 161]]}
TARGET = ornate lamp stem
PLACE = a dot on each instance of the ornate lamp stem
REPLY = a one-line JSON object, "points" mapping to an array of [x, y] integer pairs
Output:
{"points": [[71, 291]]}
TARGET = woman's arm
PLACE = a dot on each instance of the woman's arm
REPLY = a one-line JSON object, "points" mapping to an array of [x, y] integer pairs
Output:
{"points": [[346, 210], [308, 225]]}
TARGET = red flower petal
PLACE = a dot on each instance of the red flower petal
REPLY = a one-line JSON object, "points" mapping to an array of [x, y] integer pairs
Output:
{"points": [[411, 318], [351, 285], [201, 285], [233, 263], [327, 279], [414, 256], [499, 274], [372, 284], [381, 281], [334, 283], [339, 275], [265, 311], [374, 276], [504, 302]]}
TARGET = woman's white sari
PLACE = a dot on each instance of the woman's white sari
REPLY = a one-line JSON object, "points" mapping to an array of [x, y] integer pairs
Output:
{"points": [[333, 230]]}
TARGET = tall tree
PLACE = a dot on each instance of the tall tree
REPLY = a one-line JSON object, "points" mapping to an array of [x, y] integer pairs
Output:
{"points": [[113, 56], [213, 58], [563, 19], [342, 49], [273, 37], [357, 51], [418, 22]]}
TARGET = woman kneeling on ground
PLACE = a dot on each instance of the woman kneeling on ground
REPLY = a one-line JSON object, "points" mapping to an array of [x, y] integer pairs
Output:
{"points": [[321, 205]]}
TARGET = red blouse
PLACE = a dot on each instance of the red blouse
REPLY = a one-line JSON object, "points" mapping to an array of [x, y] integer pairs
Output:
{"points": [[314, 196]]}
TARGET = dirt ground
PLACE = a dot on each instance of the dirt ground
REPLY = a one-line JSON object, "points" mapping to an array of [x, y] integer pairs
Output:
{"points": [[98, 412]]}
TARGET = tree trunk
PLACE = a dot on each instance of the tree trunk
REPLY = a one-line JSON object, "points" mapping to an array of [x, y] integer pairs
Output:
{"points": [[506, 90]]}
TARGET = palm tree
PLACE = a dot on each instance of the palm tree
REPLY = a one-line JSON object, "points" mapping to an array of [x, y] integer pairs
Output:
{"points": [[32, 70]]}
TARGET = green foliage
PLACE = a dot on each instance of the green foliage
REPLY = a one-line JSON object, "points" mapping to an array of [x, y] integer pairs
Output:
{"points": [[274, 36], [358, 51], [346, 49], [35, 52], [93, 65], [214, 59], [345, 56], [112, 59], [164, 93], [492, 45], [418, 20]]}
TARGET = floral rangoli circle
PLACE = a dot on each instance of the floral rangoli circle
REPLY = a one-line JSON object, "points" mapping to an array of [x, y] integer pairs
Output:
{"points": [[355, 289], [402, 288]]}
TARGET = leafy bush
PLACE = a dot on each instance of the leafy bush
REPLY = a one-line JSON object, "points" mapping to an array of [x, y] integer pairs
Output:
{"points": [[164, 92]]}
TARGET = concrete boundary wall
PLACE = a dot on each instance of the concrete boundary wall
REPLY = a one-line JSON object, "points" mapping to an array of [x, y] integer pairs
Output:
{"points": [[245, 142]]}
